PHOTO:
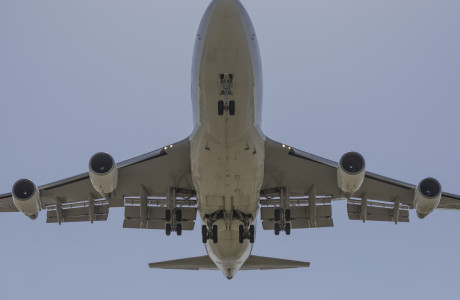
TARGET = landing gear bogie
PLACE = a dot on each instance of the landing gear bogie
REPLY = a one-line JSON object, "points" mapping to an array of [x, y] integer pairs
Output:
{"points": [[207, 234], [246, 233]]}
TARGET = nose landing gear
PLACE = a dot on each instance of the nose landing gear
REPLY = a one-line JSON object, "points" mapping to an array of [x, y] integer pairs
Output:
{"points": [[226, 83]]}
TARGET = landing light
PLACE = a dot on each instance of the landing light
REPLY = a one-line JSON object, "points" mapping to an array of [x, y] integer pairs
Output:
{"points": [[284, 146]]}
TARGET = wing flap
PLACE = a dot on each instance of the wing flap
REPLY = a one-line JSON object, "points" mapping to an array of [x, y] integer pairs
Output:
{"points": [[376, 213], [155, 224]]}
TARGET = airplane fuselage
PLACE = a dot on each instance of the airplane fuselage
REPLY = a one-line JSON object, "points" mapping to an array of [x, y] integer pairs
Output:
{"points": [[227, 148]]}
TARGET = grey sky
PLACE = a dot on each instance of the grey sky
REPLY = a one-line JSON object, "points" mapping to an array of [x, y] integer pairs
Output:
{"points": [[378, 77]]}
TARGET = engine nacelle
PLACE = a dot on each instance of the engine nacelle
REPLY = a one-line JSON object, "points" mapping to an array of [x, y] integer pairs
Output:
{"points": [[427, 196], [103, 173], [26, 198], [350, 173]]}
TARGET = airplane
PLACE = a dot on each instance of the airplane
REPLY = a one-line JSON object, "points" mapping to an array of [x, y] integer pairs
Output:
{"points": [[227, 170]]}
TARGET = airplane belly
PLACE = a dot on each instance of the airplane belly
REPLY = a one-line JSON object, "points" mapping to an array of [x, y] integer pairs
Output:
{"points": [[227, 149]]}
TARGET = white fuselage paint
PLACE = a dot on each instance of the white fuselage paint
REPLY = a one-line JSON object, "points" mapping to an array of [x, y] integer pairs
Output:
{"points": [[227, 152]]}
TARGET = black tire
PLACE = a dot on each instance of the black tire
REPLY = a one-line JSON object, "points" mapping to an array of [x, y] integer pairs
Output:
{"points": [[214, 234], [241, 234], [287, 215], [168, 229], [178, 213], [204, 233], [179, 229], [168, 215], [277, 229], [252, 234], [287, 229], [220, 107], [231, 107], [277, 214]]}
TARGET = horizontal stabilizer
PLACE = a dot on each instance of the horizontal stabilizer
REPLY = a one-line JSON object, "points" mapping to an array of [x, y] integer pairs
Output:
{"points": [[252, 263], [192, 263], [269, 263]]}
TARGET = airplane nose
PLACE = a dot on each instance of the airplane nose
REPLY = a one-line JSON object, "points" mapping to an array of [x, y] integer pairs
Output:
{"points": [[226, 8]]}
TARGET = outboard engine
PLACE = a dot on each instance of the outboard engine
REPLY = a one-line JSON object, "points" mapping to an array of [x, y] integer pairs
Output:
{"points": [[350, 173], [26, 198]]}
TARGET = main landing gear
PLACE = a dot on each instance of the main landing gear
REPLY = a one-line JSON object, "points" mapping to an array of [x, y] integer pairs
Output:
{"points": [[282, 218], [173, 214], [173, 218], [209, 234], [246, 231], [210, 230]]}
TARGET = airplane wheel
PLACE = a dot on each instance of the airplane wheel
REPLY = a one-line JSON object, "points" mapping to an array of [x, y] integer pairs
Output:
{"points": [[231, 107], [277, 215], [168, 215], [168, 229], [204, 233], [220, 107], [287, 215], [288, 228], [179, 229], [178, 213], [241, 232], [214, 234], [277, 228], [251, 234]]}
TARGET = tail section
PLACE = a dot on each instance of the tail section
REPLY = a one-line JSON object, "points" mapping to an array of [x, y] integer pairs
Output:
{"points": [[252, 263]]}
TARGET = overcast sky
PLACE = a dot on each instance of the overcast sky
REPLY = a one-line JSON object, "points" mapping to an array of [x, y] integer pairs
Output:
{"points": [[378, 77]]}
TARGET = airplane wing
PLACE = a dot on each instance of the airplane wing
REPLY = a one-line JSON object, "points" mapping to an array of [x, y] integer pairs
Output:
{"points": [[152, 174], [304, 176]]}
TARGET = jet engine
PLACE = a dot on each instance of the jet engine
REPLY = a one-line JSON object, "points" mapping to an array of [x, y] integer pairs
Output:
{"points": [[26, 198], [103, 173], [427, 196], [350, 173]]}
